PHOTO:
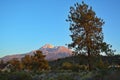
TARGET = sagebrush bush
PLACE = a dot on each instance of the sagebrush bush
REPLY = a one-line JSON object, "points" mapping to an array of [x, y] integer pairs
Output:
{"points": [[19, 76], [3, 76]]}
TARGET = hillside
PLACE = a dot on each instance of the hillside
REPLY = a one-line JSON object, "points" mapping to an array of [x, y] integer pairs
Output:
{"points": [[51, 52], [82, 60]]}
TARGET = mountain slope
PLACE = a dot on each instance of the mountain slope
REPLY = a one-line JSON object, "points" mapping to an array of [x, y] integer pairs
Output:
{"points": [[51, 52]]}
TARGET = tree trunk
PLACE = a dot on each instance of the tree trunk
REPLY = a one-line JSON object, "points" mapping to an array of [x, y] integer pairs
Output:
{"points": [[89, 60]]}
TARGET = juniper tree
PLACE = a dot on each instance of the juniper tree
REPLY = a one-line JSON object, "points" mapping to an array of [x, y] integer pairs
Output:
{"points": [[39, 62], [35, 62]]}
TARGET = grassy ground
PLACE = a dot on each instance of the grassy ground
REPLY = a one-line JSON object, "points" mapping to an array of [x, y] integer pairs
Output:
{"points": [[62, 75]]}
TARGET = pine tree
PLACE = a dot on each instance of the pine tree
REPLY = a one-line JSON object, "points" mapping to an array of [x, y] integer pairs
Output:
{"points": [[35, 62], [86, 28], [16, 65], [39, 62], [27, 62]]}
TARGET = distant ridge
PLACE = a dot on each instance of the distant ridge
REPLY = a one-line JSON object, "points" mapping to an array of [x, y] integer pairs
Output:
{"points": [[51, 52]]}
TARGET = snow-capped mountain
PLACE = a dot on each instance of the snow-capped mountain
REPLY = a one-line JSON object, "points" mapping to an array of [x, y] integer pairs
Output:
{"points": [[51, 52], [55, 52]]}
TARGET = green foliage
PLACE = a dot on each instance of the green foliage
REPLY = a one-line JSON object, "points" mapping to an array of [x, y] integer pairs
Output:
{"points": [[65, 77], [3, 76], [27, 62], [76, 67], [86, 29], [86, 32], [73, 67], [99, 62], [15, 76], [36, 62], [62, 75], [15, 65], [101, 65], [106, 75], [67, 66], [19, 76]]}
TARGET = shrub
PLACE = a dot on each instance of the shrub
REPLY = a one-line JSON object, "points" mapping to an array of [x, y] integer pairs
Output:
{"points": [[67, 66], [3, 76], [64, 77], [19, 76]]}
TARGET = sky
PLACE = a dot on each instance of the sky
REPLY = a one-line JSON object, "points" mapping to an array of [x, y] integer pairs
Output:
{"points": [[26, 25]]}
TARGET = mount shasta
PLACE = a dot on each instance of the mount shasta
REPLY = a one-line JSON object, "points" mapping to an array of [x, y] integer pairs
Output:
{"points": [[51, 52]]}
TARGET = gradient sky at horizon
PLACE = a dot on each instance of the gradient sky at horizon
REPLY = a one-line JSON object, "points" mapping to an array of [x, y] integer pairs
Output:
{"points": [[26, 25]]}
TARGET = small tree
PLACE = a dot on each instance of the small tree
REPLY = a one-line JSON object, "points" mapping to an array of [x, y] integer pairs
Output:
{"points": [[39, 63], [16, 65], [35, 62], [27, 62], [86, 29]]}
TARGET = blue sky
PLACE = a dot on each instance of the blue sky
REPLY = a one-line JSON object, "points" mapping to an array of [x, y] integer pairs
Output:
{"points": [[26, 25]]}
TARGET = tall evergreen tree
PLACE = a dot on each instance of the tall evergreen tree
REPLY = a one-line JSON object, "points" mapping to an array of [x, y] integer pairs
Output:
{"points": [[86, 29]]}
